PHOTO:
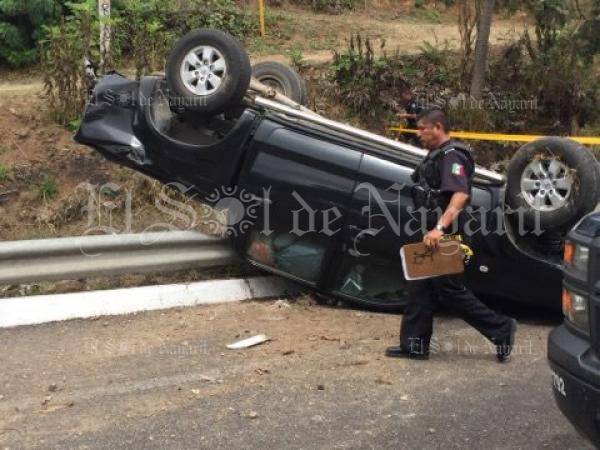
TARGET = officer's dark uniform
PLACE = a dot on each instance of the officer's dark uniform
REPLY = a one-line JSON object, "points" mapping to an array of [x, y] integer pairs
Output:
{"points": [[443, 172]]}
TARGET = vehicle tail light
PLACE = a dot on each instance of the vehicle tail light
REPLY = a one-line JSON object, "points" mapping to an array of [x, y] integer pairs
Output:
{"points": [[577, 257], [567, 303]]}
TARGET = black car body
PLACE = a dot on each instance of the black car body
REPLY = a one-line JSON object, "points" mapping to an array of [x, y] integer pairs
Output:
{"points": [[311, 204], [574, 347]]}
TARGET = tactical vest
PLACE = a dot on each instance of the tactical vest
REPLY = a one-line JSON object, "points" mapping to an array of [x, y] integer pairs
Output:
{"points": [[428, 177]]}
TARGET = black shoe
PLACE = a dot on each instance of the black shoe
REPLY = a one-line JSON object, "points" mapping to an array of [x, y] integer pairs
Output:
{"points": [[505, 345], [399, 352]]}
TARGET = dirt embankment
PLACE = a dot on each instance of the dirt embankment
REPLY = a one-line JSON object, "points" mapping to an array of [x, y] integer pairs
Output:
{"points": [[400, 25], [52, 187]]}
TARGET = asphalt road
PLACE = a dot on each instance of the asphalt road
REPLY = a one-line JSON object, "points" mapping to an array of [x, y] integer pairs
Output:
{"points": [[165, 380]]}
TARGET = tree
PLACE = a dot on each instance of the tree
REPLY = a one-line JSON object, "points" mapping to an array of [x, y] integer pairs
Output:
{"points": [[468, 18], [481, 48], [21, 22], [564, 53]]}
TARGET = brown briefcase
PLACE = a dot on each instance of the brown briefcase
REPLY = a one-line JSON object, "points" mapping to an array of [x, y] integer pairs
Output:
{"points": [[419, 262]]}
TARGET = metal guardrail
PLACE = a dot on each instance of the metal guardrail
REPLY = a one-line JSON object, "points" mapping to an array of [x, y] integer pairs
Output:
{"points": [[93, 256]]}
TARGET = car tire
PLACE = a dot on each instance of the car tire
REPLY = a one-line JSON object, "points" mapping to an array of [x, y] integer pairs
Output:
{"points": [[553, 182], [282, 78], [208, 72]]}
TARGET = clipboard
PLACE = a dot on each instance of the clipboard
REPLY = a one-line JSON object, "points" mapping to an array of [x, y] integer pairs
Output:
{"points": [[420, 263]]}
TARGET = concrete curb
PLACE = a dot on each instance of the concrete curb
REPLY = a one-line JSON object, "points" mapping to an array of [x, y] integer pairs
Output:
{"points": [[51, 308]]}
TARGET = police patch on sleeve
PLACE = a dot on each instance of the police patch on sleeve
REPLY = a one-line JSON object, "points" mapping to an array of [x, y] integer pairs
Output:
{"points": [[458, 170]]}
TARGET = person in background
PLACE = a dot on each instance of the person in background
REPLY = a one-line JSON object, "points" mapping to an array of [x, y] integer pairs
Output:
{"points": [[412, 111]]}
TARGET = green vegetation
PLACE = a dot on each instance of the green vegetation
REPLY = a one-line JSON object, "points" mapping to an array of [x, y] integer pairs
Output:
{"points": [[109, 192], [563, 57], [262, 45], [4, 172], [296, 56], [24, 23], [440, 57], [366, 83], [544, 83], [143, 31], [21, 24], [554, 68], [62, 52], [330, 6], [74, 125], [47, 188]]}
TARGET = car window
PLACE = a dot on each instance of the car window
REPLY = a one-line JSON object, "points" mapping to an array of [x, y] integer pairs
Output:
{"points": [[295, 255], [370, 279], [162, 116]]}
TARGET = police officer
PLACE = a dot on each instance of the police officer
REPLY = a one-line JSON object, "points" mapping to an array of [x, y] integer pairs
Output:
{"points": [[413, 109], [443, 180]]}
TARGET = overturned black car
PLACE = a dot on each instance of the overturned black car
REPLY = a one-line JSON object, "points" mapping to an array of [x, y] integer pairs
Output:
{"points": [[318, 201]]}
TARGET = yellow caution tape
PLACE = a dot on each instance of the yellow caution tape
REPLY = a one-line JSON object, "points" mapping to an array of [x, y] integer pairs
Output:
{"points": [[585, 140]]}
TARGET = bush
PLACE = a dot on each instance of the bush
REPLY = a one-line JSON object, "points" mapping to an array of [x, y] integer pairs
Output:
{"points": [[146, 30], [4, 172], [62, 52], [562, 66], [224, 15], [330, 6], [438, 58], [296, 57], [21, 25], [366, 83], [465, 116], [47, 188], [141, 35]]}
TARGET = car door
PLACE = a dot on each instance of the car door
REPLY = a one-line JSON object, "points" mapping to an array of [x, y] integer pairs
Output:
{"points": [[302, 182], [369, 268], [381, 219]]}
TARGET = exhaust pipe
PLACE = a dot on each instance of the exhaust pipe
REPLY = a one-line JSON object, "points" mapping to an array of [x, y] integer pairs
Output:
{"points": [[270, 93]]}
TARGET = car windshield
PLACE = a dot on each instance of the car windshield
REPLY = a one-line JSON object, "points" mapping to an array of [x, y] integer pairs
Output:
{"points": [[160, 111], [194, 129]]}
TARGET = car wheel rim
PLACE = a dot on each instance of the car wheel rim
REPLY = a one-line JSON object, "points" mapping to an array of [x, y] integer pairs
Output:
{"points": [[546, 184], [203, 70]]}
